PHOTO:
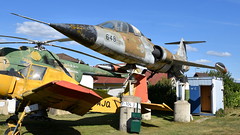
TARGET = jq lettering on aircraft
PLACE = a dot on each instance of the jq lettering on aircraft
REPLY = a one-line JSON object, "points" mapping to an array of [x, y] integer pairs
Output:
{"points": [[104, 103]]}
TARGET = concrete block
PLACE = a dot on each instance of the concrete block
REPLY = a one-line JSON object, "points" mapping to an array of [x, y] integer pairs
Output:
{"points": [[182, 111], [3, 107]]}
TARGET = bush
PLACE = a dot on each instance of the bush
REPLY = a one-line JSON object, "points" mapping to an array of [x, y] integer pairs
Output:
{"points": [[232, 98], [220, 113], [162, 92]]}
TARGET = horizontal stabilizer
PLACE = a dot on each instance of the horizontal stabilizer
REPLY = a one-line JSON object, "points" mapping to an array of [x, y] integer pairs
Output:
{"points": [[185, 42]]}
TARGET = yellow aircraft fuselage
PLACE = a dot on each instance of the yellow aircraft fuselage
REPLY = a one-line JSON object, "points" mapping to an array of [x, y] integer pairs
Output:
{"points": [[33, 77]]}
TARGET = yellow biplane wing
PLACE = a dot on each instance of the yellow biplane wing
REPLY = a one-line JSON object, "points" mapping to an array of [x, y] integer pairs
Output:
{"points": [[64, 95], [78, 99], [113, 104]]}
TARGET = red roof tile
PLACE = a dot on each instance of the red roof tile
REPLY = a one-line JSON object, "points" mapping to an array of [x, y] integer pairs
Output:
{"points": [[104, 80], [113, 80]]}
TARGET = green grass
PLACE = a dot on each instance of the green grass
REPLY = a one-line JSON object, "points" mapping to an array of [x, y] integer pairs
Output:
{"points": [[107, 124]]}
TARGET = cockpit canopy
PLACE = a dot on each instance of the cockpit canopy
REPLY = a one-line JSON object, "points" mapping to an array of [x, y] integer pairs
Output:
{"points": [[121, 27]]}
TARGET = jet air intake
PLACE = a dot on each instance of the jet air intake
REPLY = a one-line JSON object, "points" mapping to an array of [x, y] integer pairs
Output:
{"points": [[162, 54], [163, 59]]}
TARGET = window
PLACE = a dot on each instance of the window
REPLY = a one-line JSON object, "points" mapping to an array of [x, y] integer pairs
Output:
{"points": [[107, 25], [130, 28], [121, 27], [24, 71], [37, 72], [136, 31], [124, 27]]}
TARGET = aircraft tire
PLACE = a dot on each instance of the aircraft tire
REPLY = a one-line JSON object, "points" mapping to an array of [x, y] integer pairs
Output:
{"points": [[10, 130]]}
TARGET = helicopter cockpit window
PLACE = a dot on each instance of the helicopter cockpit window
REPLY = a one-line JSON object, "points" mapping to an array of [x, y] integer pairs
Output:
{"points": [[24, 71], [37, 72]]}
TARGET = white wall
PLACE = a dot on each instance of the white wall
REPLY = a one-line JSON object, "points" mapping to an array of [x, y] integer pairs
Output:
{"points": [[218, 95], [87, 81]]}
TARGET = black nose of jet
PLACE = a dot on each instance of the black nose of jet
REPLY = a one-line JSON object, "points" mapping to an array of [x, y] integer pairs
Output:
{"points": [[83, 34]]}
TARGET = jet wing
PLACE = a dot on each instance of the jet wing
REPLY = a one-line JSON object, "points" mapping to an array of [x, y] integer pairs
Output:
{"points": [[64, 95], [187, 63], [161, 107]]}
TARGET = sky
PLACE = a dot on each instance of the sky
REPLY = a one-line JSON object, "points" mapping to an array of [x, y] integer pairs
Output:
{"points": [[215, 21]]}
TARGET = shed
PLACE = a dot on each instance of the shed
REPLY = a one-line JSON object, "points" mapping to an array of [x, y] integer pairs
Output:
{"points": [[206, 95]]}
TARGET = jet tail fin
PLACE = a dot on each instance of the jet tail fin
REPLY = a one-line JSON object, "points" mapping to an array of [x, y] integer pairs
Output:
{"points": [[182, 47]]}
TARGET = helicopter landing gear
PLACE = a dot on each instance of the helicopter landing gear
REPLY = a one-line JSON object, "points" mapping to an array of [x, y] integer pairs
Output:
{"points": [[15, 124], [11, 131]]}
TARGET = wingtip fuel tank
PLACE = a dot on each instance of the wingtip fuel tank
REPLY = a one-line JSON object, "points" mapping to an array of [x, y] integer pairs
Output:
{"points": [[221, 67]]}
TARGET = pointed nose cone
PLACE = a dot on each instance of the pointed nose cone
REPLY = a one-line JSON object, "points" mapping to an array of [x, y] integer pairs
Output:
{"points": [[83, 34]]}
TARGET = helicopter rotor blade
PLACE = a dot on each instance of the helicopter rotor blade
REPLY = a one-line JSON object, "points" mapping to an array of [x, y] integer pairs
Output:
{"points": [[81, 53], [38, 42], [59, 40], [47, 44], [16, 38], [15, 43]]}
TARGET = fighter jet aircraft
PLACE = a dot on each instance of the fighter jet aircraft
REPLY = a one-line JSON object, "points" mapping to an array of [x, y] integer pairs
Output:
{"points": [[124, 42]]}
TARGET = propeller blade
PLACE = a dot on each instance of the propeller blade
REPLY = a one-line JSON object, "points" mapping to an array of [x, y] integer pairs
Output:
{"points": [[16, 38], [80, 53]]}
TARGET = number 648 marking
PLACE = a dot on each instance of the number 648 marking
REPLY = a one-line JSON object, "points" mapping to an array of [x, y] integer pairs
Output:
{"points": [[111, 37]]}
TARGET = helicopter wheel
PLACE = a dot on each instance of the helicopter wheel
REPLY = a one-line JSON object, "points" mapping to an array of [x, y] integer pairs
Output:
{"points": [[10, 131]]}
